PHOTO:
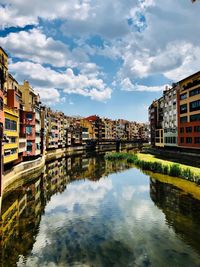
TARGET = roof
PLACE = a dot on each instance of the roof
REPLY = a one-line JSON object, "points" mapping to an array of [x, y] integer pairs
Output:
{"points": [[3, 51], [194, 74]]}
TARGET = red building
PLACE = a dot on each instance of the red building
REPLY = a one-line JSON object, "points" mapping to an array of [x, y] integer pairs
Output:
{"points": [[188, 107], [27, 129]]}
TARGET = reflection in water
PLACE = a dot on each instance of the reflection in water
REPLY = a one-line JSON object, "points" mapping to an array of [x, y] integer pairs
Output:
{"points": [[182, 212], [90, 212]]}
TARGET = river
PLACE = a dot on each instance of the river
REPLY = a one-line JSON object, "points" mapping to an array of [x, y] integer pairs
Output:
{"points": [[85, 211]]}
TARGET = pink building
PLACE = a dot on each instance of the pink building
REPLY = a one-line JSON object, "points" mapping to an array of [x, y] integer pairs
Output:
{"points": [[27, 129]]}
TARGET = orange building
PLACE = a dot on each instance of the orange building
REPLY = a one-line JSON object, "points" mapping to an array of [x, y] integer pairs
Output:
{"points": [[188, 107]]}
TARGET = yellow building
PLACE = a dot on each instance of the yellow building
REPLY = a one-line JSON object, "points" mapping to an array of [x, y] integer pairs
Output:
{"points": [[11, 116], [11, 132], [88, 125]]}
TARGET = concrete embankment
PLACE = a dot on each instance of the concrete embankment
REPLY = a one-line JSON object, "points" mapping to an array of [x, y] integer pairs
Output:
{"points": [[22, 173]]}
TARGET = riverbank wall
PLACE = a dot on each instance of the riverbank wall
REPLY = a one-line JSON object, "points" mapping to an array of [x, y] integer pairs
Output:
{"points": [[183, 157]]}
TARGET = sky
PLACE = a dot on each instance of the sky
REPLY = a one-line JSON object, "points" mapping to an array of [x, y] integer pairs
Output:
{"points": [[105, 57]]}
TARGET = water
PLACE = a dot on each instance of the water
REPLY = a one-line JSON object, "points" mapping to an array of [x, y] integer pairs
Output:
{"points": [[91, 212]]}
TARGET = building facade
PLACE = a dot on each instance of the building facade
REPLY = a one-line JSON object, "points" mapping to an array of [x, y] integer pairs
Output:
{"points": [[170, 117], [12, 101], [3, 81], [189, 112], [30, 120]]}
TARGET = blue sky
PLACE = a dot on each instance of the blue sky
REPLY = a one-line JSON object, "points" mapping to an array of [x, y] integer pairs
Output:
{"points": [[110, 58]]}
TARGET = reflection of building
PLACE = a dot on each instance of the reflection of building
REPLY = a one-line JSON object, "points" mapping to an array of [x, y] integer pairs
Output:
{"points": [[182, 212], [21, 211]]}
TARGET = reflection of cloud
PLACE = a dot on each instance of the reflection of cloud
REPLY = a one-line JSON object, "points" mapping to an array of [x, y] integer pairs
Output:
{"points": [[80, 199], [80, 193], [129, 191]]}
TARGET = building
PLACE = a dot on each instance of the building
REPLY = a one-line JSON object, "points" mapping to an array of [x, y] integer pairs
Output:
{"points": [[108, 129], [170, 117], [153, 121], [52, 130], [156, 122], [97, 126], [86, 124], [144, 133], [12, 104], [30, 125], [43, 133], [188, 106], [3, 84]]}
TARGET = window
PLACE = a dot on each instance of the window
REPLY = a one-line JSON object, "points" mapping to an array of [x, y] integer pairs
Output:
{"points": [[7, 124], [10, 152], [197, 140], [182, 130], [37, 146], [29, 146], [28, 129], [195, 105], [1, 103], [194, 92], [183, 108], [195, 117], [12, 139], [197, 128], [188, 129], [183, 96], [29, 116], [183, 119], [182, 140], [188, 140], [10, 125]]}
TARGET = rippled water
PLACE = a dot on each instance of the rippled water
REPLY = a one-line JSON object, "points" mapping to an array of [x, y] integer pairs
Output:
{"points": [[91, 212]]}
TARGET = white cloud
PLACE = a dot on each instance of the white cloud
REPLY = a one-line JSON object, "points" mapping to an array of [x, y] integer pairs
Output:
{"points": [[51, 80], [127, 85], [168, 45], [49, 95], [34, 45], [22, 13]]}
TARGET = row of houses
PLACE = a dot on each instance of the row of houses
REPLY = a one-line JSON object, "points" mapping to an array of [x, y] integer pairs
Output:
{"points": [[28, 128], [175, 117]]}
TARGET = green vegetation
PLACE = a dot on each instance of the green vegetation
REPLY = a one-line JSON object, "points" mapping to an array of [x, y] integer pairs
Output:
{"points": [[150, 163]]}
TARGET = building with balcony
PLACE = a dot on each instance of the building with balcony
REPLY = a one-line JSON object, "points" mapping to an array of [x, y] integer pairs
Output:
{"points": [[30, 120], [11, 132], [3, 84], [52, 130], [170, 116], [97, 126], [12, 102], [153, 121], [188, 106], [90, 129], [159, 127]]}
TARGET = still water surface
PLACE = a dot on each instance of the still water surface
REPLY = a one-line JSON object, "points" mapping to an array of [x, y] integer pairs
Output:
{"points": [[92, 212]]}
